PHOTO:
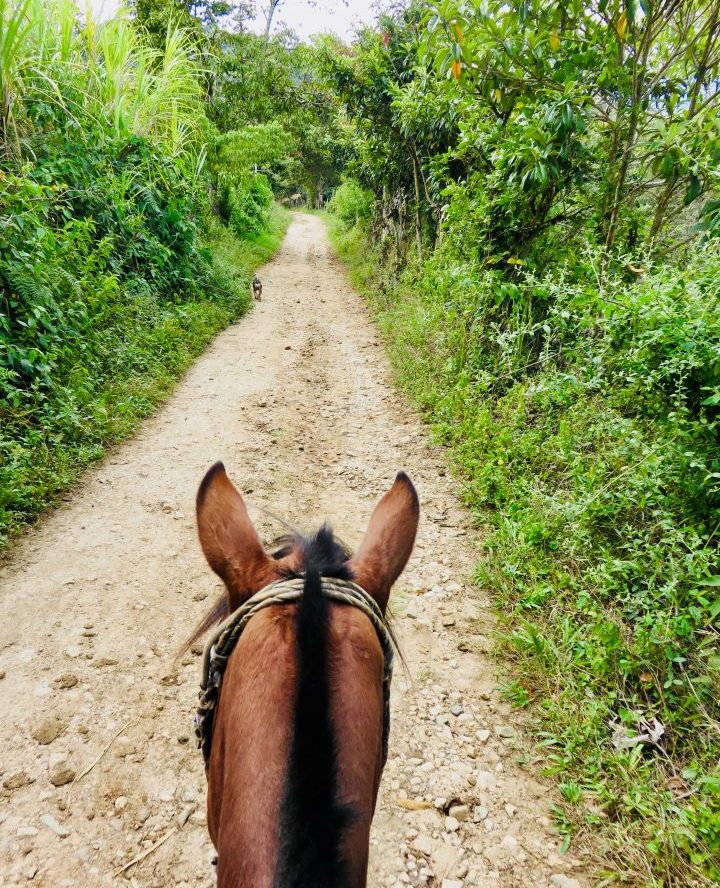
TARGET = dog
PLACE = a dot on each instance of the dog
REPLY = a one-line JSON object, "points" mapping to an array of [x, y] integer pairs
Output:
{"points": [[257, 288]]}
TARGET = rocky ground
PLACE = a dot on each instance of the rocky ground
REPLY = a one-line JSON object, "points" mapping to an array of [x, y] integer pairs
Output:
{"points": [[100, 782]]}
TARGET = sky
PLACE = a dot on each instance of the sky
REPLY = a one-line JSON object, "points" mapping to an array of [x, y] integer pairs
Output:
{"points": [[305, 17]]}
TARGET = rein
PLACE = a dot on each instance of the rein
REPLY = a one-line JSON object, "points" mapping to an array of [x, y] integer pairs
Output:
{"points": [[222, 643]]}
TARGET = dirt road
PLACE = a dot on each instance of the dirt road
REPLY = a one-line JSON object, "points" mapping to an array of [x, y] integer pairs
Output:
{"points": [[297, 401]]}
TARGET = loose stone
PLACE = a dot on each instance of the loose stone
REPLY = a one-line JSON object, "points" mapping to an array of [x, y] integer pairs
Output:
{"points": [[423, 844], [17, 781], [57, 828], [459, 812], [66, 680], [505, 731], [48, 730], [62, 775], [561, 881]]}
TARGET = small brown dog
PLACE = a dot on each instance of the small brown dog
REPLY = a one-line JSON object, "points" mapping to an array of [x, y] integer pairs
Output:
{"points": [[256, 288]]}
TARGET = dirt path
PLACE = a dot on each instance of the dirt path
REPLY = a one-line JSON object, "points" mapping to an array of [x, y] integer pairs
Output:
{"points": [[296, 400]]}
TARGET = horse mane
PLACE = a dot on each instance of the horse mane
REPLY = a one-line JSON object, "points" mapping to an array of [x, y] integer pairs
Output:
{"points": [[312, 822]]}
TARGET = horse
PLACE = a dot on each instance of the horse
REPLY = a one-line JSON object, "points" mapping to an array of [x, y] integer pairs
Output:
{"points": [[299, 733]]}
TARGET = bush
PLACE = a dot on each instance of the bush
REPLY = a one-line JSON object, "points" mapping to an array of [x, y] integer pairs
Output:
{"points": [[125, 352], [352, 204], [72, 229], [107, 286], [585, 421], [245, 205]]}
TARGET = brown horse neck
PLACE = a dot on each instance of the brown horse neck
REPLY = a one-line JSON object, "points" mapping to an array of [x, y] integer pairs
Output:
{"points": [[248, 770]]}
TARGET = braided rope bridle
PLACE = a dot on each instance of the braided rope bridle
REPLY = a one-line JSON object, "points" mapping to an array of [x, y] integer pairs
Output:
{"points": [[225, 637]]}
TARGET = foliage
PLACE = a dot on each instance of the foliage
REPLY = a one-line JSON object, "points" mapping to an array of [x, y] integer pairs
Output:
{"points": [[533, 214], [107, 286], [246, 205], [273, 110], [127, 361], [601, 115], [645, 103], [352, 204], [588, 440], [194, 16], [261, 145], [244, 195]]}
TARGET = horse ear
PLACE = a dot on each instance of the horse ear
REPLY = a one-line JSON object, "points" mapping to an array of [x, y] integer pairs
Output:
{"points": [[388, 541], [228, 538]]}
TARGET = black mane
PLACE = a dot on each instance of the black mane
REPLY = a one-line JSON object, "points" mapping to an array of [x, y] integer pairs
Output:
{"points": [[322, 552], [312, 823]]}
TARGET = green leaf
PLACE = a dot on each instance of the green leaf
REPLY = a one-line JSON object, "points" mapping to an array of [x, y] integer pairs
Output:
{"points": [[714, 609], [694, 189]]}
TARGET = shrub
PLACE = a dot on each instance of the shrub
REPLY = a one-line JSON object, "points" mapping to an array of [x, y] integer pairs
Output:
{"points": [[584, 418], [247, 203], [351, 204]]}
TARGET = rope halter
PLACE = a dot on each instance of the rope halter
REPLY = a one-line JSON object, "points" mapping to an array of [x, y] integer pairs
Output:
{"points": [[226, 635]]}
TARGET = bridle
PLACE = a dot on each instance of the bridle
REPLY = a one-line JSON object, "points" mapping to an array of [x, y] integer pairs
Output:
{"points": [[222, 643]]}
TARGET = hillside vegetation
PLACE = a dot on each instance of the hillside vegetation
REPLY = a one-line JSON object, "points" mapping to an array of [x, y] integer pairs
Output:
{"points": [[531, 205]]}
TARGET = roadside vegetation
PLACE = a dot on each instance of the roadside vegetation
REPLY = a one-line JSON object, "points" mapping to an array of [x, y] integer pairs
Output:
{"points": [[137, 197], [531, 205]]}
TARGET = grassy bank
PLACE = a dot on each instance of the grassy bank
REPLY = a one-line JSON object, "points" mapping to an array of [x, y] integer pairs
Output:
{"points": [[591, 460], [132, 351]]}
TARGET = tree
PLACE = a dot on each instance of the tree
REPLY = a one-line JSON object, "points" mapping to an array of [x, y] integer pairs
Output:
{"points": [[268, 10], [639, 79]]}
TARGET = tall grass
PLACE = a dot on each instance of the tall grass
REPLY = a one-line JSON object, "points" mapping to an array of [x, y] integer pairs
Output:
{"points": [[100, 73], [113, 272]]}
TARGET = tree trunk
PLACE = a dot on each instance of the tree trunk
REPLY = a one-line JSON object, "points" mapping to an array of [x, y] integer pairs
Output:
{"points": [[418, 215], [639, 74], [269, 13], [660, 209]]}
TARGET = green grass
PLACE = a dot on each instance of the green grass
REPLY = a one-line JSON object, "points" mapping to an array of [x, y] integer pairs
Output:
{"points": [[148, 345], [599, 557], [321, 214]]}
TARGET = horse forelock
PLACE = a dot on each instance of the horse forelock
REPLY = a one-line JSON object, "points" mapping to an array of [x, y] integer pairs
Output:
{"points": [[321, 551]]}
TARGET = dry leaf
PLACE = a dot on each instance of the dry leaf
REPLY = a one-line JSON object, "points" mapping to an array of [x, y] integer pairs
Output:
{"points": [[621, 26], [414, 804]]}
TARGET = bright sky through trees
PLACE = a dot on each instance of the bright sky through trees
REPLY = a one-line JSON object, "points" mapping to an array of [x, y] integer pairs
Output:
{"points": [[305, 17]]}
